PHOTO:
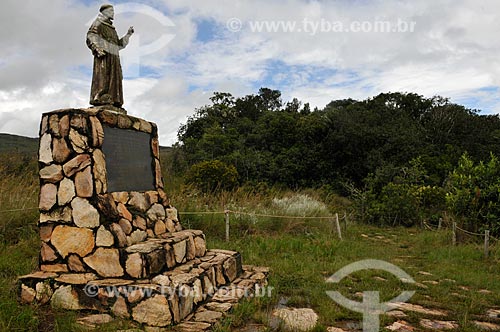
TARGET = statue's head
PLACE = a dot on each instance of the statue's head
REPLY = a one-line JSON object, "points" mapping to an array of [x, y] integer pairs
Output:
{"points": [[108, 11]]}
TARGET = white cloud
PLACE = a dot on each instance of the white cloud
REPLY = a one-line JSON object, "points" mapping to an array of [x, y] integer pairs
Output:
{"points": [[45, 64]]}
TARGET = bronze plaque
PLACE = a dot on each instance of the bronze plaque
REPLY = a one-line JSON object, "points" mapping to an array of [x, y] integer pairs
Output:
{"points": [[129, 160]]}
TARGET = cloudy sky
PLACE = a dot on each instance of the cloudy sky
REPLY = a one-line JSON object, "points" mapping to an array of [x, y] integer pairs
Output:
{"points": [[183, 51]]}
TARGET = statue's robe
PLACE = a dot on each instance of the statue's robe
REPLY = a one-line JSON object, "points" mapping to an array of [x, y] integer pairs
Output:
{"points": [[107, 75]]}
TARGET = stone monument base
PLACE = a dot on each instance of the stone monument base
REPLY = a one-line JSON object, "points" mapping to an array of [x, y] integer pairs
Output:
{"points": [[110, 240]]}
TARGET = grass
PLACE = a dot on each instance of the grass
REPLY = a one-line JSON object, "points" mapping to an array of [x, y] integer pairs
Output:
{"points": [[301, 253]]}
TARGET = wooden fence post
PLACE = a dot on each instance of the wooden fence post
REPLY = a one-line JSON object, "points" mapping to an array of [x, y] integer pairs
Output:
{"points": [[440, 223], [454, 235], [226, 217], [486, 243], [338, 225]]}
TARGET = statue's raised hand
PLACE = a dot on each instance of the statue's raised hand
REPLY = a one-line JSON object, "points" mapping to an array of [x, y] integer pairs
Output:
{"points": [[130, 30]]}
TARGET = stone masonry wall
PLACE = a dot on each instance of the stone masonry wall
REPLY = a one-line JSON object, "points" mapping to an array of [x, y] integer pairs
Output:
{"points": [[82, 225]]}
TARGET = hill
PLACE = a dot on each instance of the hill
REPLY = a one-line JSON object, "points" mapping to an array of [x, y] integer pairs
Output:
{"points": [[13, 143]]}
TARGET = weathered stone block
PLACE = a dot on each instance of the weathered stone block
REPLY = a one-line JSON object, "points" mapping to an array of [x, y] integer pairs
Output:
{"points": [[52, 173], [106, 262], [84, 214], [74, 240], [84, 183], [48, 196], [153, 311]]}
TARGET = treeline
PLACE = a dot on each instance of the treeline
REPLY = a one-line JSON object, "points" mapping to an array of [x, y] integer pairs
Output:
{"points": [[353, 147]]}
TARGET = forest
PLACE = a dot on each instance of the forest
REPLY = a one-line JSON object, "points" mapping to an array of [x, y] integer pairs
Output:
{"points": [[400, 157]]}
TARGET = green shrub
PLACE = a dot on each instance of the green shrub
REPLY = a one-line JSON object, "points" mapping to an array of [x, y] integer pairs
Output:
{"points": [[473, 194], [213, 175]]}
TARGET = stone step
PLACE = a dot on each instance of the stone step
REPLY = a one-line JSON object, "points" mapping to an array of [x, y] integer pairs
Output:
{"points": [[153, 256], [140, 260], [213, 282]]}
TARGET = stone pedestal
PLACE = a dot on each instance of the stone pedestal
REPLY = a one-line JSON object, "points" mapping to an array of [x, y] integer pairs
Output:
{"points": [[110, 240]]}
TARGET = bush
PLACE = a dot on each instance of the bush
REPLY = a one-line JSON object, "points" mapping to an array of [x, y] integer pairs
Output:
{"points": [[473, 194], [212, 176]]}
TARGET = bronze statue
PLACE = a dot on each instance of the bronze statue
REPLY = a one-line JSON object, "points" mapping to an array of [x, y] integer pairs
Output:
{"points": [[107, 76]]}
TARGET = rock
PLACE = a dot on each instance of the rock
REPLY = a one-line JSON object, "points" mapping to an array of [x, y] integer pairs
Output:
{"points": [[124, 122], [120, 197], [54, 125], [78, 121], [126, 226], [190, 248], [140, 222], [493, 313], [297, 319], [179, 251], [48, 196], [61, 150], [120, 308], [158, 176], [162, 280], [45, 150], [193, 326], [93, 321], [75, 240], [108, 118], [65, 297], [66, 192], [163, 198], [139, 201], [197, 291], [57, 215], [120, 235], [46, 232], [104, 238], [170, 225], [76, 164], [160, 228], [416, 308], [156, 212], [231, 269], [52, 173], [107, 207], [400, 326], [485, 326], [27, 294], [216, 306], [124, 212], [76, 278], [207, 316], [135, 296], [172, 214], [438, 324], [43, 292], [186, 298], [47, 253], [151, 197], [396, 313], [153, 311], [75, 264], [170, 256], [84, 183], [100, 172], [78, 141], [106, 262], [136, 237], [145, 126], [64, 126], [156, 261], [200, 246], [97, 132], [134, 265], [44, 125], [155, 146], [84, 214]]}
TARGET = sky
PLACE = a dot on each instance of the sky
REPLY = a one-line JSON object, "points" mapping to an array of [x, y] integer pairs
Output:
{"points": [[183, 51]]}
